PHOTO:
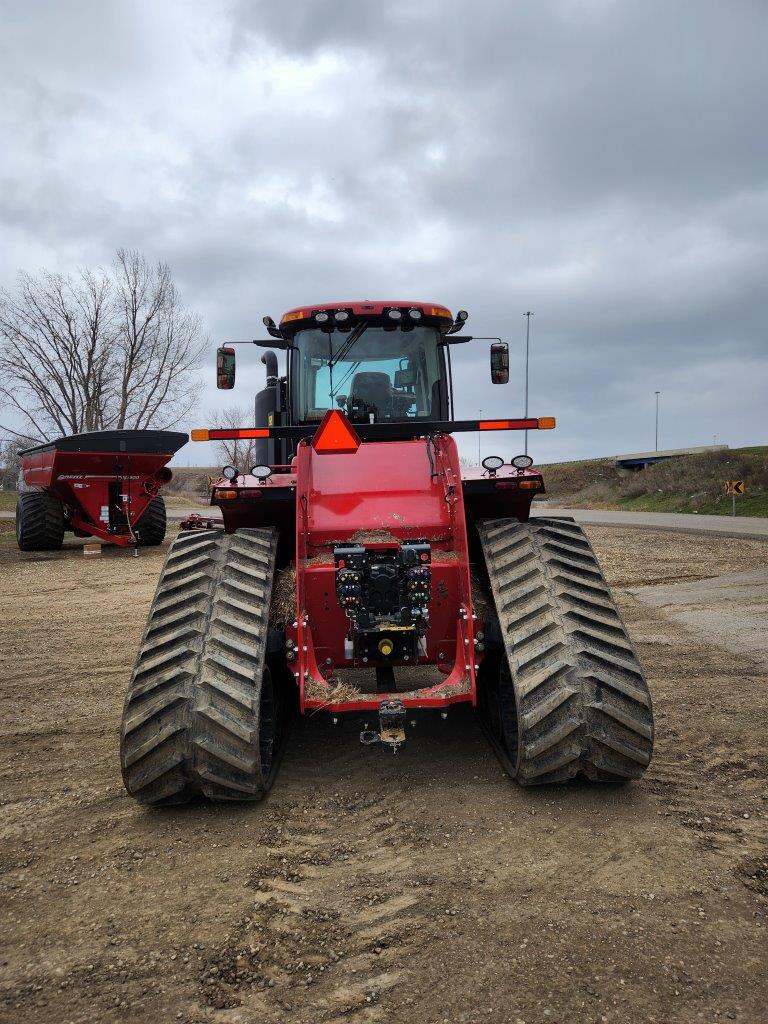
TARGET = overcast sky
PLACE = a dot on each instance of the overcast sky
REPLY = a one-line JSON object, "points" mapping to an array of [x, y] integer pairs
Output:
{"points": [[603, 163]]}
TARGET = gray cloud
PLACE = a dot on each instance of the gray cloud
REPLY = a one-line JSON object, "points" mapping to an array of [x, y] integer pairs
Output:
{"points": [[601, 163]]}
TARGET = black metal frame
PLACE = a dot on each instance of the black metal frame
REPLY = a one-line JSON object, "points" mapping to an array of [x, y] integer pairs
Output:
{"points": [[395, 430]]}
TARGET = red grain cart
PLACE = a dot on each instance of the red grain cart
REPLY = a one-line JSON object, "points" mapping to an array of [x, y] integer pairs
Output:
{"points": [[364, 574], [103, 484]]}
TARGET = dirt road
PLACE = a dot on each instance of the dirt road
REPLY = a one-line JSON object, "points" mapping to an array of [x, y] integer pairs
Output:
{"points": [[424, 887]]}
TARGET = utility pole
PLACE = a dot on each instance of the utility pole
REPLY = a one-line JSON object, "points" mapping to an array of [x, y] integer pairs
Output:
{"points": [[657, 393], [527, 316]]}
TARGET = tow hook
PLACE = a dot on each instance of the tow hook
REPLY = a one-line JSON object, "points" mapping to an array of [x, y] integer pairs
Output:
{"points": [[391, 726]]}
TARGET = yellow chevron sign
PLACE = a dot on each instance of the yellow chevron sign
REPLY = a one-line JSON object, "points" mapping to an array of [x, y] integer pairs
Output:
{"points": [[731, 487]]}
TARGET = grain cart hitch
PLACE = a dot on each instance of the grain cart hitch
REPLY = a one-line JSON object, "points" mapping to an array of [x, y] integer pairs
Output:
{"points": [[391, 726]]}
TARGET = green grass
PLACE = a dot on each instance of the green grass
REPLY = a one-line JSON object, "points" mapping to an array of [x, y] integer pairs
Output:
{"points": [[8, 501], [178, 500], [686, 483], [746, 505]]}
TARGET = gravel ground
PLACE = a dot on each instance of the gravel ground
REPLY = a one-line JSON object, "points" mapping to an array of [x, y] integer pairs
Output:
{"points": [[423, 887]]}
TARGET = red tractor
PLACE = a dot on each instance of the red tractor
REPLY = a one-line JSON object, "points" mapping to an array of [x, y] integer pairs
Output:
{"points": [[362, 572]]}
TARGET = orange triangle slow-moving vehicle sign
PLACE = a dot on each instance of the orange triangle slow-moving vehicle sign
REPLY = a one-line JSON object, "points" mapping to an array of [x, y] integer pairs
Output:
{"points": [[335, 435]]}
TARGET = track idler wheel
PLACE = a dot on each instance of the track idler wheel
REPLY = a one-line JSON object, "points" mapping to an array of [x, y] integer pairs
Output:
{"points": [[566, 695]]}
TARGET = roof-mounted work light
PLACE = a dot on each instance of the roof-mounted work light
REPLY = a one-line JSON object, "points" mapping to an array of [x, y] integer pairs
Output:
{"points": [[461, 318], [322, 318], [271, 326]]}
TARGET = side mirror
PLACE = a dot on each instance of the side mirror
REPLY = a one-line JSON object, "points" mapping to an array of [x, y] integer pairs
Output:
{"points": [[500, 362], [341, 401], [225, 368]]}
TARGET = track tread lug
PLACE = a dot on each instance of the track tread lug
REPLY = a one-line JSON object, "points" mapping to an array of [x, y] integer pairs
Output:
{"points": [[581, 704], [191, 717]]}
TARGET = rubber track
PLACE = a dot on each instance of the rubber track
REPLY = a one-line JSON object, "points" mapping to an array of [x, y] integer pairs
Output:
{"points": [[191, 717], [582, 703], [150, 529], [39, 521]]}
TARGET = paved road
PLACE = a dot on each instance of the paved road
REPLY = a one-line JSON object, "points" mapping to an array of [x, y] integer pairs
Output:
{"points": [[728, 526], [724, 526]]}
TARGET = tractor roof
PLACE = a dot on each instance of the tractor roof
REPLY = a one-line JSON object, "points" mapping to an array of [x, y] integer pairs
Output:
{"points": [[375, 307]]}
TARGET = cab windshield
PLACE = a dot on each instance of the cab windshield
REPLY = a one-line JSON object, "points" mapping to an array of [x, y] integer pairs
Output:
{"points": [[385, 375]]}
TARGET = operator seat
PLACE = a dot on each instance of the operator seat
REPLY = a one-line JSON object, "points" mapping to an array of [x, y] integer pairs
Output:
{"points": [[370, 392]]}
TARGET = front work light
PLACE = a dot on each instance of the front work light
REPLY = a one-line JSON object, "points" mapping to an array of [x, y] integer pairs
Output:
{"points": [[229, 472], [395, 314], [492, 463], [321, 318], [261, 472], [522, 461], [341, 316], [414, 314]]}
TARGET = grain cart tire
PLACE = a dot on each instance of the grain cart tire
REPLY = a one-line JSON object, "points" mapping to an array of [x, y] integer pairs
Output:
{"points": [[201, 715], [567, 696], [150, 529], [39, 521]]}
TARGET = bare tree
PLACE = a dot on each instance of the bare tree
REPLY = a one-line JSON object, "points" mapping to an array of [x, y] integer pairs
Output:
{"points": [[10, 461], [55, 352], [159, 345], [100, 350], [238, 452]]}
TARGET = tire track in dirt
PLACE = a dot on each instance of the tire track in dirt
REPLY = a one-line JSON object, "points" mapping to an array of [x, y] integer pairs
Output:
{"points": [[337, 911]]}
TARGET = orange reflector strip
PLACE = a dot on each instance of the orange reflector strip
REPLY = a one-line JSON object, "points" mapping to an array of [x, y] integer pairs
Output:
{"points": [[200, 435], [529, 424], [335, 434], [231, 435], [542, 423], [218, 493], [530, 485]]}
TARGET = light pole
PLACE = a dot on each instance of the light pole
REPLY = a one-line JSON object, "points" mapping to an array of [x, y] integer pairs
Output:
{"points": [[479, 435], [527, 316], [657, 393]]}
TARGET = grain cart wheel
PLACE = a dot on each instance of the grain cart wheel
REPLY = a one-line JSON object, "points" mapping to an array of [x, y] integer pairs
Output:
{"points": [[150, 529], [201, 715], [39, 521], [569, 696]]}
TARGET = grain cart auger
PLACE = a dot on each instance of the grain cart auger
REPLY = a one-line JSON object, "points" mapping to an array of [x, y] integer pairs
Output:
{"points": [[364, 573], [103, 484]]}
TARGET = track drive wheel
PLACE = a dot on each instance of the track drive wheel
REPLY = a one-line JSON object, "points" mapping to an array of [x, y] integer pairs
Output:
{"points": [[203, 714], [567, 695], [150, 529], [39, 521]]}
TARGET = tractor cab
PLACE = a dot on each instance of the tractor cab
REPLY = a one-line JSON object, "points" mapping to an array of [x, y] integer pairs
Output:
{"points": [[380, 363]]}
